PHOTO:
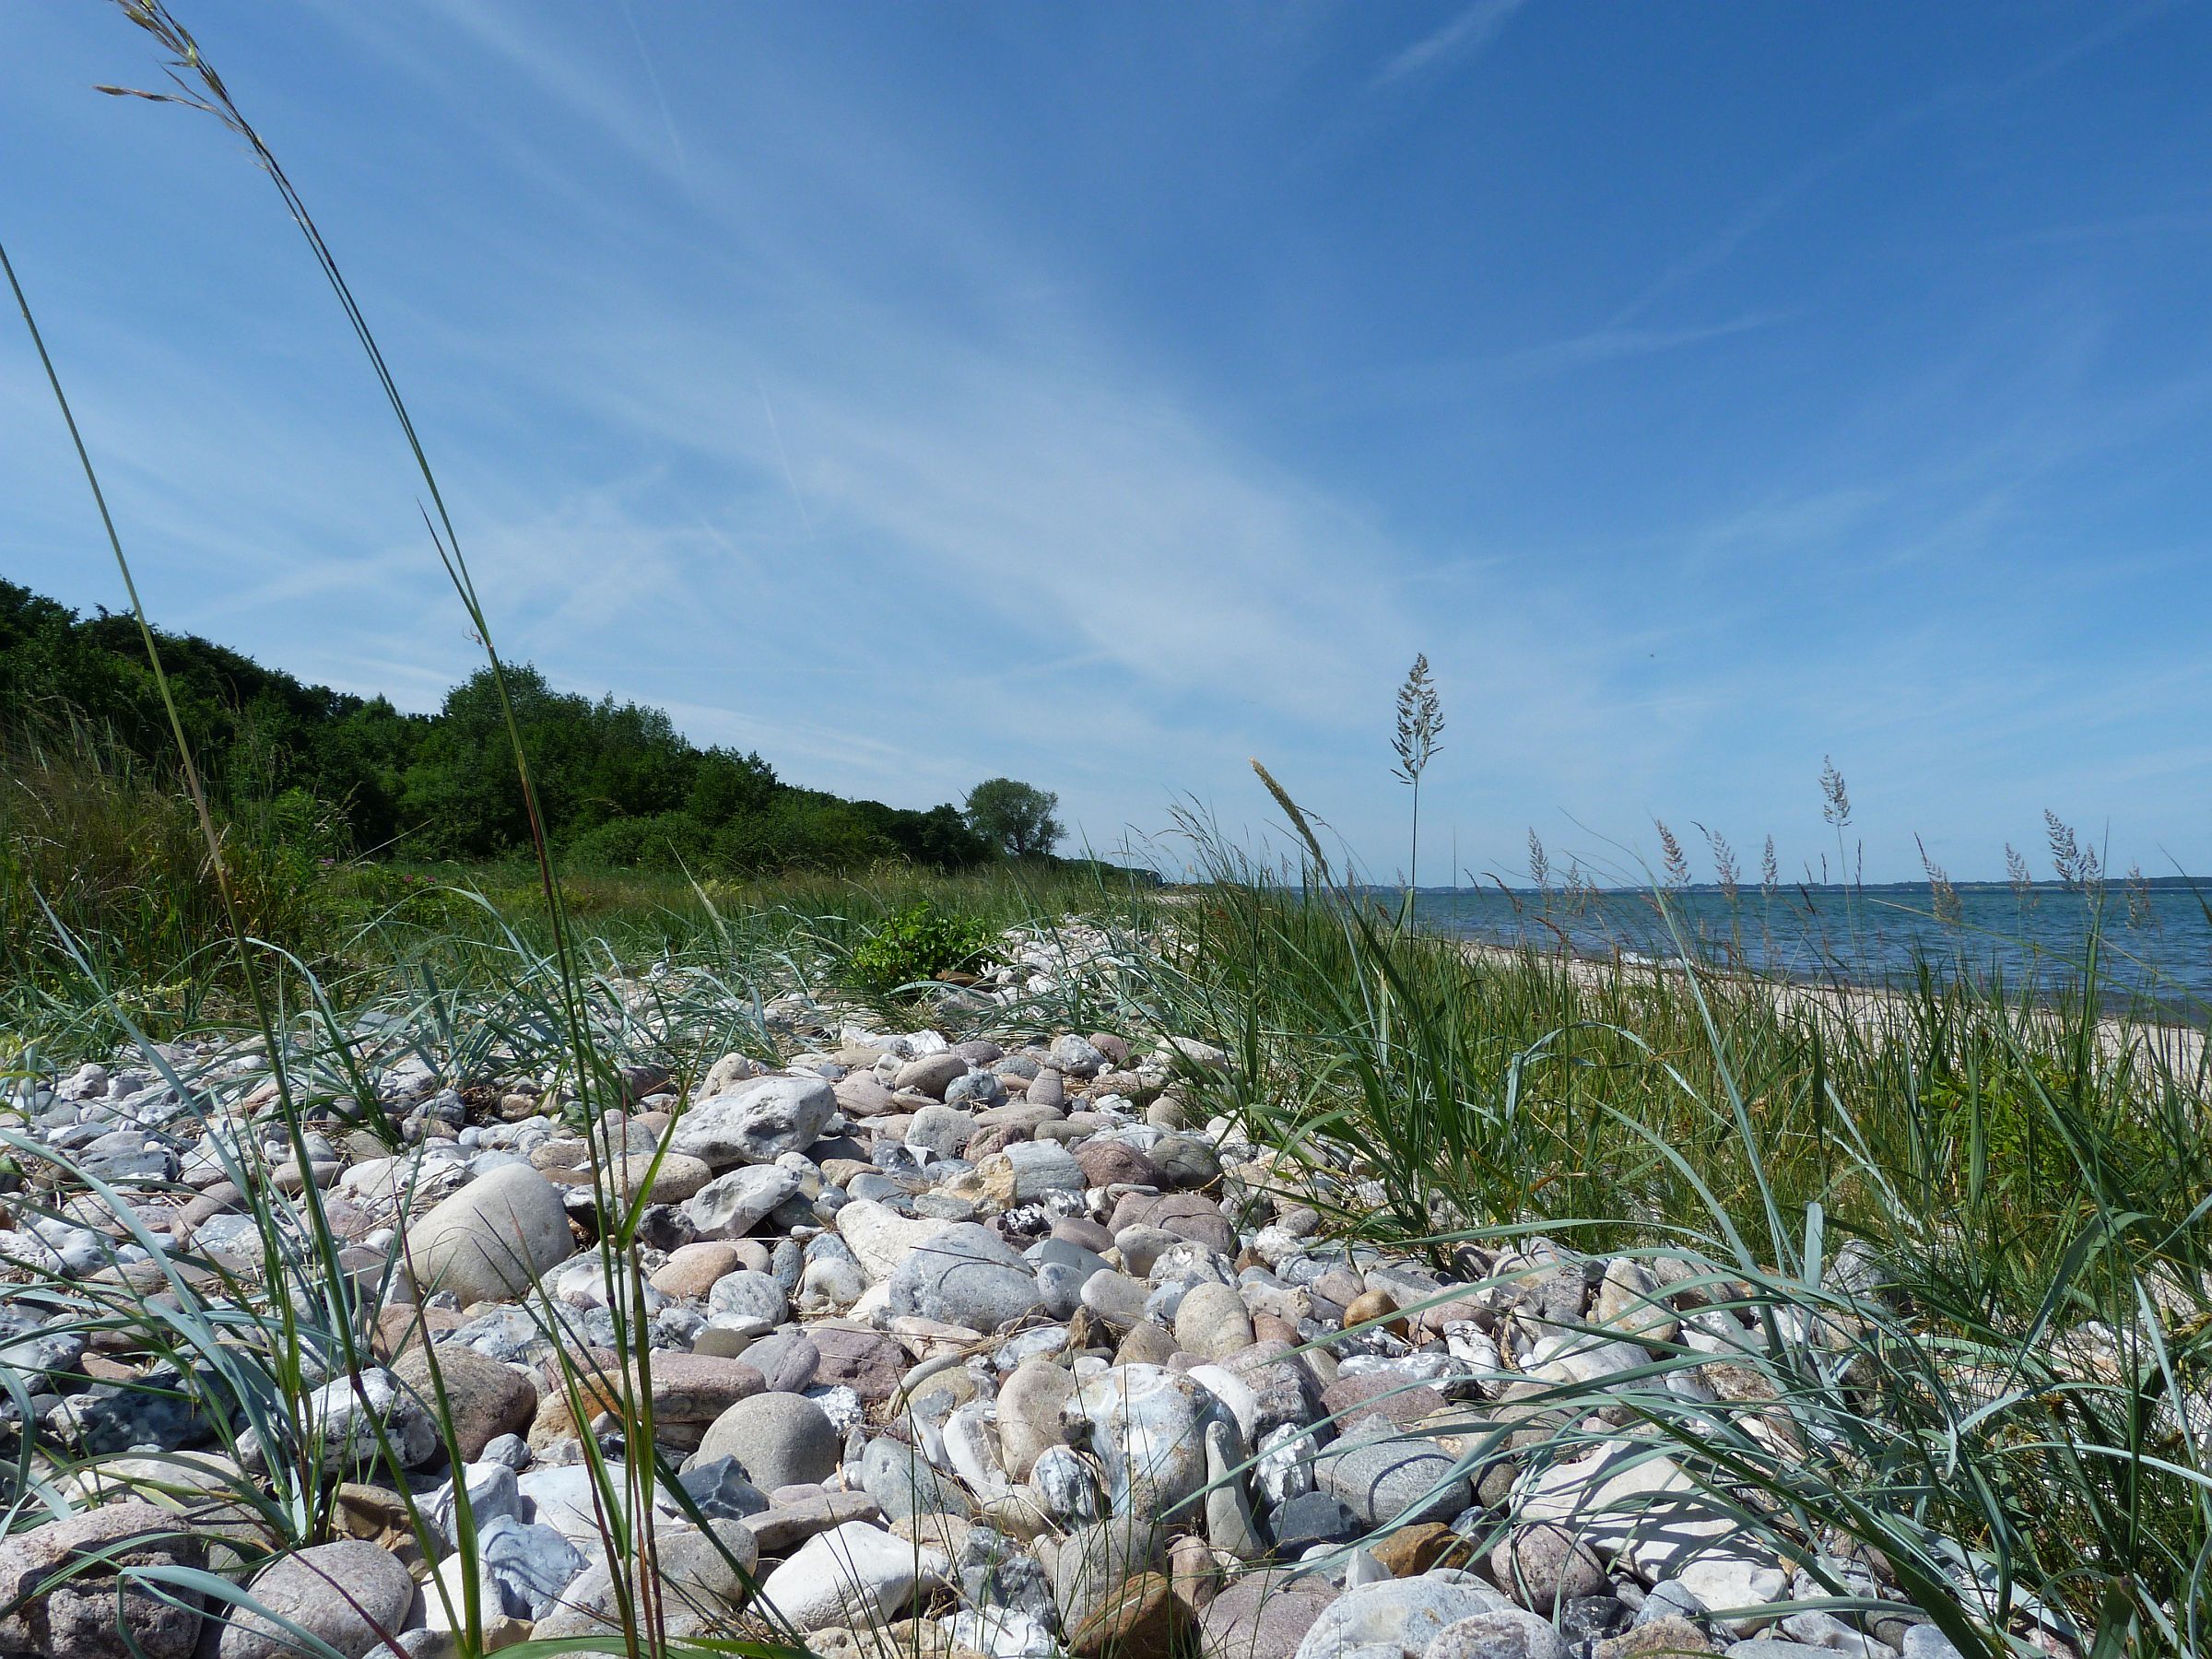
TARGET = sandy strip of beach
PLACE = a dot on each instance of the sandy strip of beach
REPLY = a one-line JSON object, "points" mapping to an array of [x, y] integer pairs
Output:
{"points": [[2178, 1047]]}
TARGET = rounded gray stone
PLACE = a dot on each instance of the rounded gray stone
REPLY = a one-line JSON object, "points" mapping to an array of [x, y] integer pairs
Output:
{"points": [[1392, 1478], [492, 1240], [735, 1204], [1212, 1321], [702, 1578], [1407, 1614], [748, 1295], [941, 1130], [1095, 1560], [900, 1478], [1041, 1166], [1508, 1633], [930, 1075], [1262, 1616], [100, 1611], [351, 1595], [1076, 1057], [779, 1439], [965, 1276], [1541, 1564]]}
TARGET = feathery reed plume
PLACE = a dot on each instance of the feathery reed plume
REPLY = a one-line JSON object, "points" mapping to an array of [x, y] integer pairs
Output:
{"points": [[1298, 819], [1726, 871], [1577, 892], [1673, 857], [1770, 870], [2138, 897], [1835, 807], [1942, 895], [1835, 797], [1421, 722], [2020, 875], [1539, 867], [2078, 864]]}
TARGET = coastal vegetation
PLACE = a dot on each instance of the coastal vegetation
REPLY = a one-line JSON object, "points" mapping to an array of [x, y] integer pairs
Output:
{"points": [[331, 808]]}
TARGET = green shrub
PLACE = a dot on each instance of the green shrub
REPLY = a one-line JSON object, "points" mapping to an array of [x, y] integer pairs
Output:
{"points": [[916, 944], [660, 840]]}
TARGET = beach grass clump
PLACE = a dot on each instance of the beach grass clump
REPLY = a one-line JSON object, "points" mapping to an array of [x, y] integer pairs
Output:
{"points": [[1972, 1227]]}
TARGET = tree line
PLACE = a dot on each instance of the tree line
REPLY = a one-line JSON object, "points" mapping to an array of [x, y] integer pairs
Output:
{"points": [[618, 785]]}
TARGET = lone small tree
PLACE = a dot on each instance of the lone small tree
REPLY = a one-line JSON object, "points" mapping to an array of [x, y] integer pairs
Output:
{"points": [[1421, 722], [1015, 818]]}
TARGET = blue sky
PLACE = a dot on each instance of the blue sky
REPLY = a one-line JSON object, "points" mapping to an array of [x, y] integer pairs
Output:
{"points": [[1105, 394]]}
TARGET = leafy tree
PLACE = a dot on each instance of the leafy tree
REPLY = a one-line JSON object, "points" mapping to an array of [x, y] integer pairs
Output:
{"points": [[1015, 817], [619, 785], [939, 838], [726, 784]]}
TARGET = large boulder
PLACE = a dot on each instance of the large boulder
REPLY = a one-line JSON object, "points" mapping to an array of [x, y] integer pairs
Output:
{"points": [[966, 1275], [757, 1122], [483, 1397], [99, 1612], [492, 1240]]}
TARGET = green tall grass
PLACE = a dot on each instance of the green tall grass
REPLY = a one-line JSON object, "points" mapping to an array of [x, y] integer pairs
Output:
{"points": [[116, 850]]}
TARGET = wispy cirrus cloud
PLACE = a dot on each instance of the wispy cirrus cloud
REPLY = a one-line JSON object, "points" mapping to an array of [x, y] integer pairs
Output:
{"points": [[1614, 345], [1457, 42]]}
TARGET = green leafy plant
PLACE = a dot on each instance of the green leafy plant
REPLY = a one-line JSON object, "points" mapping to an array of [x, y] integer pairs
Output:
{"points": [[912, 945]]}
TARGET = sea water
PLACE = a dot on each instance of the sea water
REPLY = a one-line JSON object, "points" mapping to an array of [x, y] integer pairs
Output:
{"points": [[2155, 942]]}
